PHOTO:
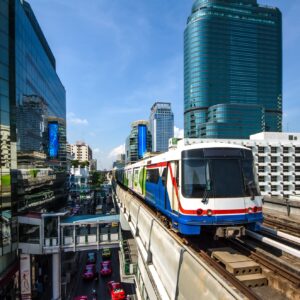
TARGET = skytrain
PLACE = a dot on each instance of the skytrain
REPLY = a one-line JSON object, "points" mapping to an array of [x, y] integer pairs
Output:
{"points": [[199, 186]]}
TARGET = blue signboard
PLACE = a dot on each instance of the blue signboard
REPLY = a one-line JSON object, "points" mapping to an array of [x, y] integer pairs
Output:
{"points": [[53, 139], [142, 139]]}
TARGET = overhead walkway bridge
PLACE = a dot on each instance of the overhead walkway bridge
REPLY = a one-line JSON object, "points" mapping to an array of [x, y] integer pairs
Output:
{"points": [[53, 233]]}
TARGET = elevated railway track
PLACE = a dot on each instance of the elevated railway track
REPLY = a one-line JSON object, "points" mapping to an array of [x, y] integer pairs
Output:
{"points": [[277, 278]]}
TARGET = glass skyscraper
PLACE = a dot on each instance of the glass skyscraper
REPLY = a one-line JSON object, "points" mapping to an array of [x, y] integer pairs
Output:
{"points": [[32, 100], [138, 142], [232, 69], [161, 126]]}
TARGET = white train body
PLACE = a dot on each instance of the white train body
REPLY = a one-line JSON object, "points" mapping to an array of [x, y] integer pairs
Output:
{"points": [[209, 185]]}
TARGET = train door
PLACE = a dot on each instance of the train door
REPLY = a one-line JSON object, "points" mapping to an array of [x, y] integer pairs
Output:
{"points": [[173, 186], [136, 180], [163, 189], [152, 185], [130, 178]]}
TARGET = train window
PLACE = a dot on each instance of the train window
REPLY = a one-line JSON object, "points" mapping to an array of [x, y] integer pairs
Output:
{"points": [[164, 176], [249, 179], [177, 173], [152, 175], [195, 177], [227, 178]]}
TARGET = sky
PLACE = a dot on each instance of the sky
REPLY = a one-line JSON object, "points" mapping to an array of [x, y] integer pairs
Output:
{"points": [[117, 57]]}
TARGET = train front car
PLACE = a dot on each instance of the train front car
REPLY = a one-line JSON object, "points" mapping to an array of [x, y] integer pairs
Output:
{"points": [[218, 191]]}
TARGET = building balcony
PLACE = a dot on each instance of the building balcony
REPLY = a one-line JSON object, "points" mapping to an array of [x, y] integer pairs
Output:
{"points": [[261, 154], [274, 154]]}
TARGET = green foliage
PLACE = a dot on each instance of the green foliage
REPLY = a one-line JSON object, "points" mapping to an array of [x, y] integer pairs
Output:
{"points": [[75, 163], [97, 178], [34, 172], [5, 180], [84, 164]]}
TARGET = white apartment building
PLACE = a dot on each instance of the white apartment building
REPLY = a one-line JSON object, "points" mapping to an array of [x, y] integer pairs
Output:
{"points": [[82, 152], [277, 160]]}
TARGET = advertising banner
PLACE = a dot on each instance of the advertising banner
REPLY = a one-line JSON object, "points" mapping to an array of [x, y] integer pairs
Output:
{"points": [[53, 140], [25, 278], [142, 140]]}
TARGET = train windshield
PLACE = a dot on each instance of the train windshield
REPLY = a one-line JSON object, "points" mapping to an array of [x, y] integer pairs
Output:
{"points": [[218, 173], [195, 177]]}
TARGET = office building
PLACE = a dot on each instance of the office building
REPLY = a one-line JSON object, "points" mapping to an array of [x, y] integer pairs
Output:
{"points": [[82, 152], [120, 161], [32, 130], [161, 123], [139, 142], [232, 69], [93, 165]]}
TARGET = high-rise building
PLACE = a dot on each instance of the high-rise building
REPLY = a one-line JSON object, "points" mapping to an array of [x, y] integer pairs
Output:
{"points": [[232, 69], [32, 129], [138, 142], [120, 161], [82, 152], [161, 126]]}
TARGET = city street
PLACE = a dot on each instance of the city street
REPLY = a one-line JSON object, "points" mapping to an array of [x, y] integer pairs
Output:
{"points": [[84, 287]]}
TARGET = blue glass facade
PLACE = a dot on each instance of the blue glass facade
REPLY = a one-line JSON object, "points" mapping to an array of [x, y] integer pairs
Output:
{"points": [[233, 57], [32, 97], [161, 126]]}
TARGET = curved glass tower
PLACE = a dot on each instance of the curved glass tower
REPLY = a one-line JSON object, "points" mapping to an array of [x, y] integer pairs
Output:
{"points": [[232, 69]]}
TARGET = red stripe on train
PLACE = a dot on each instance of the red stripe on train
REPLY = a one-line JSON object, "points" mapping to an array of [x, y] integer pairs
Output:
{"points": [[162, 164], [221, 211]]}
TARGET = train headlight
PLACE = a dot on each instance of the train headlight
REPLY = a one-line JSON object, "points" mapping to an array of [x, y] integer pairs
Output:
{"points": [[250, 210], [199, 212], [209, 212]]}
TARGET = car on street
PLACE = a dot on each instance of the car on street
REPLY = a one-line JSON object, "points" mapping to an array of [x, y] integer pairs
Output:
{"points": [[105, 268], [116, 291], [106, 253], [89, 272], [80, 298], [91, 258]]}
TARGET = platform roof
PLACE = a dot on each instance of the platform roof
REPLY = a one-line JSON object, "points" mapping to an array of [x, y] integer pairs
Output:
{"points": [[90, 219]]}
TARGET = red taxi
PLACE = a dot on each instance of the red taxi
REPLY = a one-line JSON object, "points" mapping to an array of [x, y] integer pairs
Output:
{"points": [[116, 291]]}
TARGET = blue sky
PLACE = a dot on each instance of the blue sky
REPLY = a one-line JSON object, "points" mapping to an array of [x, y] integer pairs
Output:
{"points": [[117, 57]]}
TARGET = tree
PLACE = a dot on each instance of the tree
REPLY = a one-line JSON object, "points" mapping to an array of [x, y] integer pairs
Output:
{"points": [[75, 163], [84, 164]]}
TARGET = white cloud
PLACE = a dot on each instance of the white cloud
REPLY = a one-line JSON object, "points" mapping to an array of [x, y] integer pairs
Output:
{"points": [[178, 133], [117, 150], [96, 150], [72, 119]]}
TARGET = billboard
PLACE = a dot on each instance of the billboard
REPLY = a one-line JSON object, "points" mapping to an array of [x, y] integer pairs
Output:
{"points": [[53, 139], [142, 140], [25, 276]]}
